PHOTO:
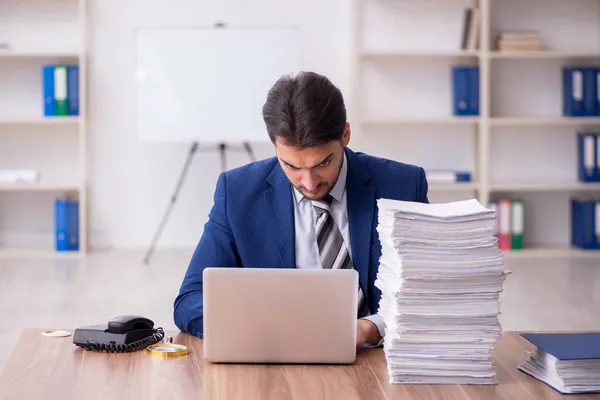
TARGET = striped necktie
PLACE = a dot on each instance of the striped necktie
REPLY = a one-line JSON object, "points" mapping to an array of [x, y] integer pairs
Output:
{"points": [[332, 249]]}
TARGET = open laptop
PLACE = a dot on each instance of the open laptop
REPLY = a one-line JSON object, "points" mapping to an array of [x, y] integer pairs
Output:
{"points": [[262, 315]]}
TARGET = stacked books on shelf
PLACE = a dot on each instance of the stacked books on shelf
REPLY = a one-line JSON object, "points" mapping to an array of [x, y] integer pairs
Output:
{"points": [[567, 362], [511, 222], [581, 94], [60, 90], [510, 41], [470, 34], [66, 221], [440, 274], [19, 175], [447, 176], [588, 156], [585, 223], [465, 90]]}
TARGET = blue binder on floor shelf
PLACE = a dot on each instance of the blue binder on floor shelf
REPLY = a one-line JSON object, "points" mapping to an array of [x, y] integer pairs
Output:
{"points": [[474, 91], [585, 224], [66, 220], [49, 106], [61, 222], [588, 156], [73, 89], [461, 90], [572, 82], [590, 89], [73, 225], [597, 92]]}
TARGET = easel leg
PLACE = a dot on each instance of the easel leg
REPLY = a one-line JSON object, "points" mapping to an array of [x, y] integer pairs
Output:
{"points": [[182, 176], [223, 150], [249, 151]]}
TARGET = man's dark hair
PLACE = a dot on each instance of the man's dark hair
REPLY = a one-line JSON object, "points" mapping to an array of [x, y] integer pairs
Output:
{"points": [[305, 111]]}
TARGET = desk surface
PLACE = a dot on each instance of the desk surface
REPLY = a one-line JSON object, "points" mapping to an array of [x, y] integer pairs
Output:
{"points": [[53, 368]]}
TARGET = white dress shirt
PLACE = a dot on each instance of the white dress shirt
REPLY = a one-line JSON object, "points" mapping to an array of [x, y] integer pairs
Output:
{"points": [[307, 251]]}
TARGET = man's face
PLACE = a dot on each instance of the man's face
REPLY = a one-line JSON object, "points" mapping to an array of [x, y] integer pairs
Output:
{"points": [[313, 171]]}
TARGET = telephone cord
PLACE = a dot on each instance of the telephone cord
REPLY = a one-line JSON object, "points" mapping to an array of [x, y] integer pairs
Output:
{"points": [[112, 347]]}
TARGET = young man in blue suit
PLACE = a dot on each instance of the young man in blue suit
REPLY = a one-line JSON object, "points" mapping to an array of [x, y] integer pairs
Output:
{"points": [[314, 205]]}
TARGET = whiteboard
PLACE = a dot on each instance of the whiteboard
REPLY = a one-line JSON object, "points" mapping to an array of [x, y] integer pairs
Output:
{"points": [[209, 84]]}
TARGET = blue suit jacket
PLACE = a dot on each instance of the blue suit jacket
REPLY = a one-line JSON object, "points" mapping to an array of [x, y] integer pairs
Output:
{"points": [[251, 224]]}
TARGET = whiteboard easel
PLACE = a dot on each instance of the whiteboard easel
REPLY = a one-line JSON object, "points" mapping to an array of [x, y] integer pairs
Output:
{"points": [[209, 84]]}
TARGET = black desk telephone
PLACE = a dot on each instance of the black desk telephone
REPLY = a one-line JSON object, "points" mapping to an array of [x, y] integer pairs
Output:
{"points": [[122, 334]]}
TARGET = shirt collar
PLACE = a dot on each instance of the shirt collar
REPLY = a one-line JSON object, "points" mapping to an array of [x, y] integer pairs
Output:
{"points": [[338, 189]]}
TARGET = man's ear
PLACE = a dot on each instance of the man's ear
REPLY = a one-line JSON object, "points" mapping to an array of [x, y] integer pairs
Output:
{"points": [[346, 135]]}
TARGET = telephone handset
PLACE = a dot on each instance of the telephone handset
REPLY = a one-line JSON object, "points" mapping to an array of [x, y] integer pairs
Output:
{"points": [[122, 334]]}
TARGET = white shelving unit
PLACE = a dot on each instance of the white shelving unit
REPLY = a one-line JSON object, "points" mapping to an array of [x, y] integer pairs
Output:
{"points": [[423, 121], [548, 55], [37, 33], [41, 120], [401, 104]]}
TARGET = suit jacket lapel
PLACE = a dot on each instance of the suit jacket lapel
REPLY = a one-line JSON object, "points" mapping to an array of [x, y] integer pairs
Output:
{"points": [[279, 206], [361, 206]]}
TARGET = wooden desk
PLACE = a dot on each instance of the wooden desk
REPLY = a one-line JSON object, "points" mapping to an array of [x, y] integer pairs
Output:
{"points": [[53, 368]]}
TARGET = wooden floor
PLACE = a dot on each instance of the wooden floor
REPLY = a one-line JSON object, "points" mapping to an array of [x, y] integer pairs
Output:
{"points": [[540, 294]]}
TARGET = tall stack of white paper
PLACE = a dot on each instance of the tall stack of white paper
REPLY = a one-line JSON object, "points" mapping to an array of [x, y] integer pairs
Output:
{"points": [[440, 275]]}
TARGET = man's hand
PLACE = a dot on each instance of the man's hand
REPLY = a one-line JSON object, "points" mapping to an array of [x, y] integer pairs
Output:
{"points": [[367, 332]]}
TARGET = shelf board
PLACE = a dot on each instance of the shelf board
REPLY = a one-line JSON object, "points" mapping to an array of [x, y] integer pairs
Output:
{"points": [[59, 120], [546, 54], [544, 121], [452, 186], [37, 253], [38, 54], [467, 120], [366, 54], [39, 186], [544, 186], [550, 252]]}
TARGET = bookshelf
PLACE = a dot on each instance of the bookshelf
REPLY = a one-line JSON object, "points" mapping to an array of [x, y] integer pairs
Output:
{"points": [[67, 120], [545, 252], [40, 186], [34, 33], [422, 121], [544, 186], [422, 54], [545, 121], [402, 52], [541, 55]]}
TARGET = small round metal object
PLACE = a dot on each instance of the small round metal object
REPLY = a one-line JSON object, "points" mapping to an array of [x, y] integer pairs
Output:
{"points": [[165, 350], [54, 333]]}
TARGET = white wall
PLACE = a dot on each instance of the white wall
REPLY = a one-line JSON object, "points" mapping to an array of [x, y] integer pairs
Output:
{"points": [[131, 182]]}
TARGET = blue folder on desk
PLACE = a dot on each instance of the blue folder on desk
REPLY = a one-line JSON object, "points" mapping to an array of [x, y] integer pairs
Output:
{"points": [[567, 362], [567, 346]]}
